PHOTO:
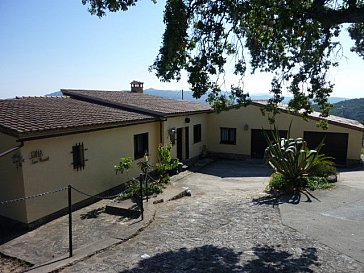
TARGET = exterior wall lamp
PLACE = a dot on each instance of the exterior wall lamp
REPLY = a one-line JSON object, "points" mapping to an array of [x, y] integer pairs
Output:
{"points": [[172, 135]]}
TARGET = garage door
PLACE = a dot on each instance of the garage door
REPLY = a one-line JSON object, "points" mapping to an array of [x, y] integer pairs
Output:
{"points": [[336, 144], [259, 143]]}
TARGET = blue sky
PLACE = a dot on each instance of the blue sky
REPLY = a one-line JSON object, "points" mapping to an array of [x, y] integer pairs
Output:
{"points": [[48, 45]]}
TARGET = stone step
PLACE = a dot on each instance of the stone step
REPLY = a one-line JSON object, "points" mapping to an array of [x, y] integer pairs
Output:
{"points": [[126, 208]]}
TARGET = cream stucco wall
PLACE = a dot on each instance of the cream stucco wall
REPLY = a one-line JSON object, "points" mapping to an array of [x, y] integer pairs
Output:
{"points": [[104, 149], [251, 115], [179, 122], [11, 180]]}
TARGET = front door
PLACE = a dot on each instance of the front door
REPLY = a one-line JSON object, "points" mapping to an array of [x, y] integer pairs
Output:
{"points": [[187, 143], [179, 144], [183, 143]]}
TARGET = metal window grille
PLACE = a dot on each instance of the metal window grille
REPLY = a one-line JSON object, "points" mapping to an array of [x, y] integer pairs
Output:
{"points": [[78, 153]]}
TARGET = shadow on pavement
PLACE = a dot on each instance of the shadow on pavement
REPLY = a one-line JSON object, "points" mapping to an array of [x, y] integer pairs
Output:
{"points": [[237, 168], [270, 259], [293, 199], [209, 258]]}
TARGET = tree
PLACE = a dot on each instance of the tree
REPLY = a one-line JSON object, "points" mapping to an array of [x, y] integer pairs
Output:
{"points": [[295, 40]]}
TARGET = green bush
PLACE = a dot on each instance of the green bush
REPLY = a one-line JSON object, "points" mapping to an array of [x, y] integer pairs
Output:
{"points": [[124, 165], [166, 163], [314, 183], [277, 182], [323, 168]]}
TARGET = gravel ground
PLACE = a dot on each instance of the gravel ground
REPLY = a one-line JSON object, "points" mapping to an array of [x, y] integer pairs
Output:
{"points": [[8, 265], [225, 233]]}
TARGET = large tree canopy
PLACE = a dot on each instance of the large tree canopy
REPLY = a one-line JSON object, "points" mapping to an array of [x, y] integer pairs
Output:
{"points": [[296, 40]]}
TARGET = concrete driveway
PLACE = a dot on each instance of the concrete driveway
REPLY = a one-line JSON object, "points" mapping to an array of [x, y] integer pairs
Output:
{"points": [[228, 176], [334, 217], [219, 229]]}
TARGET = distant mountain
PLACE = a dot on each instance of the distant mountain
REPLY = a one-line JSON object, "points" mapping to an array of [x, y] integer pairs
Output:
{"points": [[55, 94], [352, 109], [187, 95]]}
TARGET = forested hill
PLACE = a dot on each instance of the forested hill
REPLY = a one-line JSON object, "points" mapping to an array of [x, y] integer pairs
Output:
{"points": [[352, 109]]}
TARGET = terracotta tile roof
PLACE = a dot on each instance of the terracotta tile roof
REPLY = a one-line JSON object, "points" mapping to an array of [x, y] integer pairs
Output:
{"points": [[29, 115], [340, 121], [140, 102]]}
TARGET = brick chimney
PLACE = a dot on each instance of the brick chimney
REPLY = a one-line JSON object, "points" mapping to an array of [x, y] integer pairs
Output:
{"points": [[136, 87]]}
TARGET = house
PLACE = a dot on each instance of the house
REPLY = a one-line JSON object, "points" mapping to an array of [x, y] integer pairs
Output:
{"points": [[244, 137], [50, 142], [47, 143]]}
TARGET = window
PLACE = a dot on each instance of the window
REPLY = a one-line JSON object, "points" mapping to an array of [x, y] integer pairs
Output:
{"points": [[140, 145], [227, 135], [78, 153], [196, 133]]}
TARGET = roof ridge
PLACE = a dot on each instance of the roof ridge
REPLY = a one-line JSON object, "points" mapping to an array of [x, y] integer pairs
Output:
{"points": [[101, 90], [39, 97]]}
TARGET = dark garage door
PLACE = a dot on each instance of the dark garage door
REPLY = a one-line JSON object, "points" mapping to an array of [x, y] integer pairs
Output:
{"points": [[336, 144], [259, 143]]}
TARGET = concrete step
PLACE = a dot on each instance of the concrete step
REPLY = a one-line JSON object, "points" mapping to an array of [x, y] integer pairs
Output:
{"points": [[127, 208]]}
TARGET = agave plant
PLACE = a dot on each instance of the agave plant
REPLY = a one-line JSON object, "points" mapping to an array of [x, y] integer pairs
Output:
{"points": [[292, 158]]}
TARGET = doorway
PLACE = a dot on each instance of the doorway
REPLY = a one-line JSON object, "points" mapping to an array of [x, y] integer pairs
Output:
{"points": [[183, 143]]}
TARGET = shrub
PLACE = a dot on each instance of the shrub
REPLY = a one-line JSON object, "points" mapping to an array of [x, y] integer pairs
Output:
{"points": [[314, 183], [293, 159], [166, 163], [323, 167], [124, 165], [277, 182]]}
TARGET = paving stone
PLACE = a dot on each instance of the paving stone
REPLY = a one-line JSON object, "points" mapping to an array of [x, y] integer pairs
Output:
{"points": [[226, 233]]}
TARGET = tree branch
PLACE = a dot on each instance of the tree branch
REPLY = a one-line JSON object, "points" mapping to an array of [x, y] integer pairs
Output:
{"points": [[333, 17]]}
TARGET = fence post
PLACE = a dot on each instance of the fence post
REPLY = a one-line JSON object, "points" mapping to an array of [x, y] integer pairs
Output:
{"points": [[70, 220], [146, 184], [141, 195]]}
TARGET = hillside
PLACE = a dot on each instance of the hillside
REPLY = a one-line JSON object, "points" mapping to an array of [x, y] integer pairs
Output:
{"points": [[352, 109]]}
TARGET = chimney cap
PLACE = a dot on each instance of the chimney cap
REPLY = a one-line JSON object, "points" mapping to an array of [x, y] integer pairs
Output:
{"points": [[136, 82], [136, 87]]}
